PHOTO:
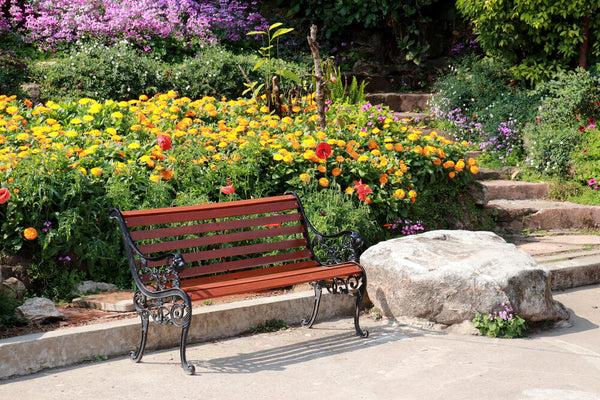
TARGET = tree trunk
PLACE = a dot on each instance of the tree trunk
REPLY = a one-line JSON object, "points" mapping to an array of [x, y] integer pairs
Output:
{"points": [[319, 82]]}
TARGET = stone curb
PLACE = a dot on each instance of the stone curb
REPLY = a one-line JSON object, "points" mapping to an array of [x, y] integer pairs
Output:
{"points": [[32, 353]]}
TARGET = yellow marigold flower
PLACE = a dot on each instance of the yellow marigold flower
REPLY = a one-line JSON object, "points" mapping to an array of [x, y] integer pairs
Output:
{"points": [[30, 233], [264, 109], [111, 131], [376, 152], [155, 178], [399, 194], [82, 170], [22, 136], [389, 146], [88, 118], [471, 161], [304, 177], [418, 149], [288, 158], [336, 172], [412, 194], [95, 108], [51, 121], [324, 182], [23, 154], [117, 115], [363, 158], [287, 120], [12, 110], [349, 190], [375, 131], [96, 171], [474, 169], [278, 157], [464, 143], [459, 165], [412, 137], [135, 127]]}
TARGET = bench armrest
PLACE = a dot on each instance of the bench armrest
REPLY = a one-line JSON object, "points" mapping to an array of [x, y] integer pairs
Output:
{"points": [[344, 249], [138, 263]]}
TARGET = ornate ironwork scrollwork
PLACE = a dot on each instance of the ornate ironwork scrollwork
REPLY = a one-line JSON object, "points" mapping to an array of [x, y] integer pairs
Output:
{"points": [[347, 285], [334, 253], [163, 310], [162, 276]]}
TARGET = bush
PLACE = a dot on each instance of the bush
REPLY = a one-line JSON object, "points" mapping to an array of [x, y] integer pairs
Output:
{"points": [[569, 103], [7, 311], [13, 73], [64, 165], [479, 103]]}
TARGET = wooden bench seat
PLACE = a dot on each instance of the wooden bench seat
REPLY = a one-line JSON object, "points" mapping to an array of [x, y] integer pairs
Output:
{"points": [[182, 254]]}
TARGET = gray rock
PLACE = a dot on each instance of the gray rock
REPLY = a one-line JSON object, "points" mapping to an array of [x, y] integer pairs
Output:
{"points": [[86, 287], [37, 310], [13, 288], [447, 276]]}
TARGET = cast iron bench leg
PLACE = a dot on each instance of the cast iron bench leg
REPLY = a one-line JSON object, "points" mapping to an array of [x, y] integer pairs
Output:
{"points": [[140, 304], [359, 297], [188, 367], [318, 291]]}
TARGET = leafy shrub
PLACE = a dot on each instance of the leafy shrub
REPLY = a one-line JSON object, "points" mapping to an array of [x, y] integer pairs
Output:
{"points": [[271, 325], [478, 103], [102, 72], [7, 311], [13, 73], [64, 165], [568, 102]]}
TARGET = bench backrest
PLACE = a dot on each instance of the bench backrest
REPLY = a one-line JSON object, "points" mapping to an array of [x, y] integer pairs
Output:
{"points": [[222, 237]]}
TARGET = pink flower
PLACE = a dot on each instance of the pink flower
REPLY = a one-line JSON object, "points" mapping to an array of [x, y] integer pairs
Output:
{"points": [[229, 189], [585, 151], [592, 182], [323, 150], [164, 142]]}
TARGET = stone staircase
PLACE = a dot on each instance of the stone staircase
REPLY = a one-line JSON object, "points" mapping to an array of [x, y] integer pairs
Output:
{"points": [[560, 235]]}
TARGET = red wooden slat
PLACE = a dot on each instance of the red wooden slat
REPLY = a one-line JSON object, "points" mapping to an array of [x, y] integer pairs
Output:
{"points": [[209, 211], [243, 250], [219, 239], [214, 226], [246, 263], [276, 280]]}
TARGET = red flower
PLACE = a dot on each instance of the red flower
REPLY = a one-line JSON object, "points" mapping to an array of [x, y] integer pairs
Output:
{"points": [[164, 142], [4, 195], [229, 189], [582, 128], [323, 150], [592, 121], [362, 189]]}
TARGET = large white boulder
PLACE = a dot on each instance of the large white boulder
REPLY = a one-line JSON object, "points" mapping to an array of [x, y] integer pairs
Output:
{"points": [[447, 276]]}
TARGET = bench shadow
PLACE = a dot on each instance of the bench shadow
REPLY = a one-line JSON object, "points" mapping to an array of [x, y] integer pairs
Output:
{"points": [[277, 358]]}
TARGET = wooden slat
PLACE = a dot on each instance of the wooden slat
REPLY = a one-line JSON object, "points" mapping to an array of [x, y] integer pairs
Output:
{"points": [[209, 211], [219, 239], [214, 226], [247, 263], [275, 280], [244, 250]]}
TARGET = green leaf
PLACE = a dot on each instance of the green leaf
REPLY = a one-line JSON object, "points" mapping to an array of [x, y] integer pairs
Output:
{"points": [[258, 64], [288, 74], [275, 25], [256, 33], [282, 31]]}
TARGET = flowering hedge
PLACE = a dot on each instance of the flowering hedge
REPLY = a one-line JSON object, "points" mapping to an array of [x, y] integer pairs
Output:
{"points": [[63, 165], [50, 23]]}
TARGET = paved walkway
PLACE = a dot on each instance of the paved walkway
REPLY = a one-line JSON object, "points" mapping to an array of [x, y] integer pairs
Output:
{"points": [[328, 361]]}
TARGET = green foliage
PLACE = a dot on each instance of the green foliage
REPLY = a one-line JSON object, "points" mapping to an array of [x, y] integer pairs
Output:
{"points": [[500, 324], [98, 71], [271, 325], [568, 102], [13, 73], [478, 102], [339, 89], [537, 38], [404, 19], [7, 311]]}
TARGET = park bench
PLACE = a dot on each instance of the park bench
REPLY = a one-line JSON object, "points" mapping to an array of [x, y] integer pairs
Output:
{"points": [[180, 255]]}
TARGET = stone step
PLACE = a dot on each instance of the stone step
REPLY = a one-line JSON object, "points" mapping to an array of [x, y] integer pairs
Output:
{"points": [[573, 260], [516, 190], [542, 215], [401, 102]]}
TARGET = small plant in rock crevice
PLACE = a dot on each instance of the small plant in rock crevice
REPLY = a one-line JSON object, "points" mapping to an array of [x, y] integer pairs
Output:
{"points": [[271, 325], [500, 324]]}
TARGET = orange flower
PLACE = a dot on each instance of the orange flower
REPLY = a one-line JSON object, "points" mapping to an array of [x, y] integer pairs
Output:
{"points": [[96, 171], [449, 164], [451, 174], [304, 177], [399, 193], [30, 233], [336, 172], [324, 182], [322, 169], [383, 179], [474, 169], [167, 174]]}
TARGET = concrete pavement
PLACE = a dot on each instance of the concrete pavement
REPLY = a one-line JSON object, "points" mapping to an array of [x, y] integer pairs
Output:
{"points": [[395, 362]]}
